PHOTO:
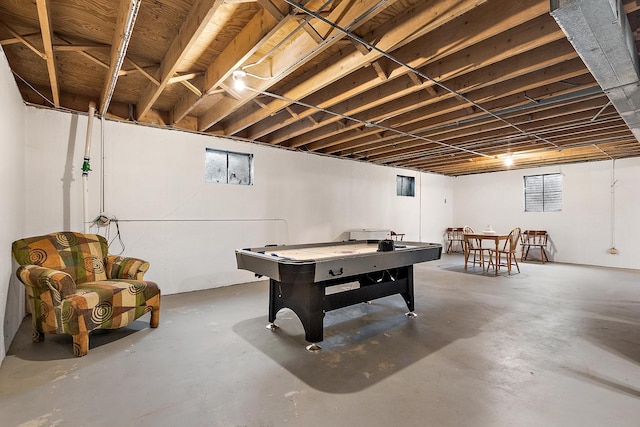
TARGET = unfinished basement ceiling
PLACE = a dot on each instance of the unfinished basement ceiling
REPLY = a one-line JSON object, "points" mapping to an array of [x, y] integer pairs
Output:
{"points": [[450, 87]]}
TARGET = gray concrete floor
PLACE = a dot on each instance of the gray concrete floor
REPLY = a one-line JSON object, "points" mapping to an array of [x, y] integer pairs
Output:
{"points": [[556, 345]]}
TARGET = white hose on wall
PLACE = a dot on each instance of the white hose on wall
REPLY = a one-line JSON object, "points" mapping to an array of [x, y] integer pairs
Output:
{"points": [[86, 167]]}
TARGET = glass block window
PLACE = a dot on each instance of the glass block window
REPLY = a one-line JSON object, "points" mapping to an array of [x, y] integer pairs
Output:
{"points": [[543, 193], [405, 186], [227, 167]]}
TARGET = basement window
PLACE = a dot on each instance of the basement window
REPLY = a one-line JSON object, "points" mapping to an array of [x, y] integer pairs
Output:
{"points": [[227, 167], [543, 193], [405, 185]]}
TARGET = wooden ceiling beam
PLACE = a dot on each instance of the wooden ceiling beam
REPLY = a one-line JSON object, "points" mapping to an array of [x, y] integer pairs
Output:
{"points": [[94, 59], [445, 39], [504, 137], [144, 72], [22, 39], [432, 114], [191, 87], [442, 117], [584, 150], [305, 49], [256, 33], [196, 21], [487, 54], [181, 77], [514, 35], [44, 17], [533, 121], [78, 47], [272, 9], [500, 143], [485, 132], [471, 83], [17, 38], [403, 30]]}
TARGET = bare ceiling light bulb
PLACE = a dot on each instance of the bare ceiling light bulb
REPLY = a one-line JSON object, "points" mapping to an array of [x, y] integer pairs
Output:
{"points": [[508, 160], [238, 79]]}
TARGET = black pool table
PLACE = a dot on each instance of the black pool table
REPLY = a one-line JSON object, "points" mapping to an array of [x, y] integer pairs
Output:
{"points": [[300, 274]]}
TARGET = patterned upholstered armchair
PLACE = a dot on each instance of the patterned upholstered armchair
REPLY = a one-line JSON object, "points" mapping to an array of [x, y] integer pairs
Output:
{"points": [[74, 286]]}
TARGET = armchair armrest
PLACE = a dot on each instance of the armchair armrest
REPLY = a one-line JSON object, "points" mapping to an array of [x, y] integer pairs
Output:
{"points": [[61, 283], [126, 268]]}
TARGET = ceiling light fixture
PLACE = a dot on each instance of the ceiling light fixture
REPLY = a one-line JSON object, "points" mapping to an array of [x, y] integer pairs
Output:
{"points": [[508, 160], [238, 79]]}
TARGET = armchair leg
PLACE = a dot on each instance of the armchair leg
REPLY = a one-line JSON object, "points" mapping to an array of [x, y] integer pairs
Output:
{"points": [[155, 316], [37, 336], [153, 304], [81, 344]]}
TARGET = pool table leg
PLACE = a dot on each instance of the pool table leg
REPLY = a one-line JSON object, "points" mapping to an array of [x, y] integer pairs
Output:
{"points": [[408, 296], [273, 295], [305, 300]]}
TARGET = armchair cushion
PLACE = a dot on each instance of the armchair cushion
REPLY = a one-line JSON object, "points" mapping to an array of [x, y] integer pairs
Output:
{"points": [[74, 286]]}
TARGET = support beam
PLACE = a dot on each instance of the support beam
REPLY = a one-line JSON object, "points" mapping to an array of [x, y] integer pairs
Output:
{"points": [[44, 16], [257, 32], [21, 39], [197, 20], [304, 49], [462, 41], [144, 72]]}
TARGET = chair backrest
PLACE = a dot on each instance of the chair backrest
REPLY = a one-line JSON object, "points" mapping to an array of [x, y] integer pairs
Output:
{"points": [[535, 237], [80, 255], [449, 233], [458, 234], [473, 243], [512, 240]]}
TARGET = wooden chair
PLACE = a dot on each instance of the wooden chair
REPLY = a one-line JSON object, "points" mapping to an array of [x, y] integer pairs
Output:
{"points": [[536, 239], [475, 246], [508, 250], [455, 236]]}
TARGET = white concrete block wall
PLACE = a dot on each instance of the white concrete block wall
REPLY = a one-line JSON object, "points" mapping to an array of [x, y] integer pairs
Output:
{"points": [[588, 224], [12, 207], [153, 182]]}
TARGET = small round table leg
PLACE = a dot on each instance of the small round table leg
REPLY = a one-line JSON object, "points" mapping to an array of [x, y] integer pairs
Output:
{"points": [[411, 314], [272, 327]]}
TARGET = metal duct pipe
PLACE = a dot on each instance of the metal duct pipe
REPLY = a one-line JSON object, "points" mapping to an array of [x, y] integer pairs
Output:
{"points": [[86, 167], [600, 32], [122, 51]]}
